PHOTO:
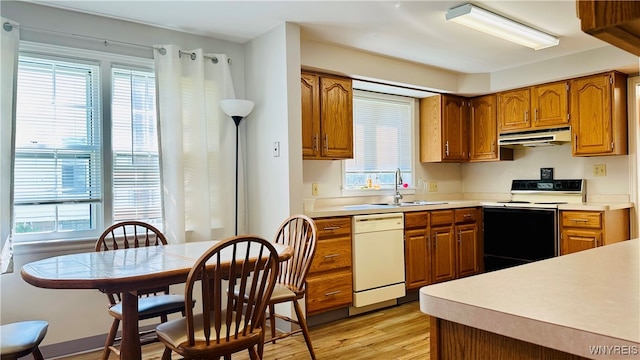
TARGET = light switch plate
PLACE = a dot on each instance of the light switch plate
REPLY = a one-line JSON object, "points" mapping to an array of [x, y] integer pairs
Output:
{"points": [[600, 170]]}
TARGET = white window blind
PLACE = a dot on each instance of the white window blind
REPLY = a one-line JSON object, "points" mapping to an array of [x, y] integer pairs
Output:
{"points": [[136, 166], [382, 141], [57, 164]]}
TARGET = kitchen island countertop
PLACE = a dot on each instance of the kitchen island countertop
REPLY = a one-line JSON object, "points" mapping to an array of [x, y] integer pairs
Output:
{"points": [[571, 303]]}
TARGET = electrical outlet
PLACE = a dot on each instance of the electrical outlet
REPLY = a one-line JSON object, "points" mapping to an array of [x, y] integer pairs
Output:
{"points": [[433, 186], [600, 170], [314, 189]]}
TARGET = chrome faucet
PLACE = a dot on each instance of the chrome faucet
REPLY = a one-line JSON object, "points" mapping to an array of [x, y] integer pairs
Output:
{"points": [[397, 196]]}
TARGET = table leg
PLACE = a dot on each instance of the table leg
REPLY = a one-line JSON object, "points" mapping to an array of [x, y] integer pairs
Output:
{"points": [[130, 346]]}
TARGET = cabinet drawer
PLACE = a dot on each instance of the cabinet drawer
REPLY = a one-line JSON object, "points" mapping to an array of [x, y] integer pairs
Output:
{"points": [[466, 215], [328, 227], [332, 254], [441, 217], [329, 291], [582, 219], [417, 219]]}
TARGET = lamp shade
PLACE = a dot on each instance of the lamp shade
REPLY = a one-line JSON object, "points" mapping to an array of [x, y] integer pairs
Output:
{"points": [[236, 107]]}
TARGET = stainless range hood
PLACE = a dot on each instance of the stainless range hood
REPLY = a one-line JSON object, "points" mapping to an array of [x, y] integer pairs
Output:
{"points": [[536, 137]]}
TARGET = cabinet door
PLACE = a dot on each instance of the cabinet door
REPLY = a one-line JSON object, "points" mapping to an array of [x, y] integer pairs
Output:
{"points": [[443, 254], [591, 121], [336, 114], [310, 88], [455, 114], [550, 105], [577, 240], [513, 110], [467, 251], [484, 129], [417, 258]]}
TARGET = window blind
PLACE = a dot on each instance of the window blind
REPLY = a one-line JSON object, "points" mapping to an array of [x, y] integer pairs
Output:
{"points": [[382, 140], [57, 143], [136, 165]]}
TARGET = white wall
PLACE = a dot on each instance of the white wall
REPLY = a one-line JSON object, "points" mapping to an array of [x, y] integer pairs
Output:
{"points": [[495, 177], [273, 82]]}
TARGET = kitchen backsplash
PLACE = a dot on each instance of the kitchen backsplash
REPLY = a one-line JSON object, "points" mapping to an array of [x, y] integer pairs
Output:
{"points": [[491, 179]]}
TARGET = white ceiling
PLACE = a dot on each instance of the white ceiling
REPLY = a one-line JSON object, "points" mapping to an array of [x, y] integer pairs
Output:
{"points": [[415, 31]]}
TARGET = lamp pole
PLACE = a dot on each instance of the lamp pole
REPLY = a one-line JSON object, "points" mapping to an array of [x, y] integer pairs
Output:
{"points": [[236, 120]]}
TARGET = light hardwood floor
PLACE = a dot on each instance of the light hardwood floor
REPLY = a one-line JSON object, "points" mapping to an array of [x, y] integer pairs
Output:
{"points": [[400, 332]]}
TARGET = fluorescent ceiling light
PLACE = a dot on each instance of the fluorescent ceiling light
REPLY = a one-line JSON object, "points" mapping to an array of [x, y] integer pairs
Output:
{"points": [[496, 25]]}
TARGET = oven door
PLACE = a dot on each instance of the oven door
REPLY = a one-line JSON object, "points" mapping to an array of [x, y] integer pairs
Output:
{"points": [[514, 236]]}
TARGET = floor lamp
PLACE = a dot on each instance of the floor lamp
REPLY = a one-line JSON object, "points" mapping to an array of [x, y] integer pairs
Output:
{"points": [[237, 109]]}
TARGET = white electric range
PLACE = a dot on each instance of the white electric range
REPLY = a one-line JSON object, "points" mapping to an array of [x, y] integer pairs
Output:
{"points": [[525, 228]]}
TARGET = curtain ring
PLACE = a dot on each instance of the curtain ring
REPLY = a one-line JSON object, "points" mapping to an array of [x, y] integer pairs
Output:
{"points": [[214, 60], [193, 56], [162, 51], [7, 26]]}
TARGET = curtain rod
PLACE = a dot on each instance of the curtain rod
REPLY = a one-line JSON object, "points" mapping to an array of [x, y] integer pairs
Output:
{"points": [[106, 42]]}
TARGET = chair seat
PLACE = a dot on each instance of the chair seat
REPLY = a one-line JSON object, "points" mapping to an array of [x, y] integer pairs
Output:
{"points": [[150, 306], [175, 331], [281, 293], [21, 336]]}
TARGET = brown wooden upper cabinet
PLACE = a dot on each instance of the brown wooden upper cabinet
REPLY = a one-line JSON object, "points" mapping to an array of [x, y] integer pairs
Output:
{"points": [[616, 22], [483, 131], [327, 117], [444, 124], [599, 114], [538, 107]]}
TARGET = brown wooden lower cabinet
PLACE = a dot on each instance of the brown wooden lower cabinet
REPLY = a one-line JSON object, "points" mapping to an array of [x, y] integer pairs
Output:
{"points": [[454, 341], [442, 245], [330, 278], [329, 292], [582, 230]]}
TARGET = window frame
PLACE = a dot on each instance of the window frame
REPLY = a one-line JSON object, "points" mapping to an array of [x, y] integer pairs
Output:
{"points": [[413, 113], [106, 62]]}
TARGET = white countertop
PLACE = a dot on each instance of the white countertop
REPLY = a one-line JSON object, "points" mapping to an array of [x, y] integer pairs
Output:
{"points": [[569, 303], [347, 210]]}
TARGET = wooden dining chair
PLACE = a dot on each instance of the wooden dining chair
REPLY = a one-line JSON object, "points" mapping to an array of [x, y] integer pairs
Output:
{"points": [[152, 303], [298, 232], [225, 326], [21, 339]]}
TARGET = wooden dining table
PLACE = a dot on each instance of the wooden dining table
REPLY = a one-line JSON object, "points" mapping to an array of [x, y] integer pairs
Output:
{"points": [[124, 271]]}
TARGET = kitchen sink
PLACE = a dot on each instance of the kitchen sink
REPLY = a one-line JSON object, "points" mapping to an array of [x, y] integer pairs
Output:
{"points": [[407, 203], [422, 202]]}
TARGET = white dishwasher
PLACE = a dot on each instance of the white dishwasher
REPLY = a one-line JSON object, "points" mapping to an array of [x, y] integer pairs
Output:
{"points": [[378, 258]]}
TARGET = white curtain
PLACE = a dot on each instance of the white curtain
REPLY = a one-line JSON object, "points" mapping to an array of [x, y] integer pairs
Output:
{"points": [[9, 41], [197, 142]]}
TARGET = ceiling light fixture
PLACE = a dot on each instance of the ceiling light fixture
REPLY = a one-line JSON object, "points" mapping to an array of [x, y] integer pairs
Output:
{"points": [[496, 25]]}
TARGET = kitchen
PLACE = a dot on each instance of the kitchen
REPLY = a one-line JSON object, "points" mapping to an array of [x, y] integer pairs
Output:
{"points": [[455, 181]]}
